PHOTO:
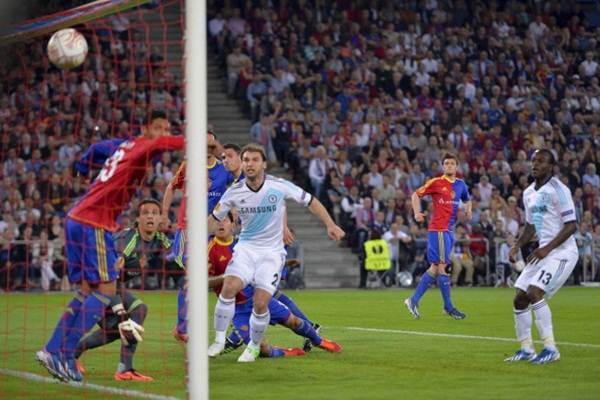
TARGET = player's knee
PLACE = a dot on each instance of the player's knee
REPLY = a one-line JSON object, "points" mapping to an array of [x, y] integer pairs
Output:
{"points": [[521, 300], [292, 322], [534, 294], [446, 269]]}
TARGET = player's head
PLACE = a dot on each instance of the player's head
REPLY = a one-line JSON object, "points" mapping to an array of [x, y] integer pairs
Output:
{"points": [[156, 125], [449, 164], [254, 160], [231, 157], [226, 227], [542, 164], [148, 215]]}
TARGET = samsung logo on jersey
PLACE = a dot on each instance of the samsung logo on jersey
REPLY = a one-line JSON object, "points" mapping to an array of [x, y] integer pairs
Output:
{"points": [[214, 194], [442, 201], [540, 209], [257, 210]]}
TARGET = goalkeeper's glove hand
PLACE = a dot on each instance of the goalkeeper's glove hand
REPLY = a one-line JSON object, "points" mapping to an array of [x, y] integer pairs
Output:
{"points": [[130, 331]]}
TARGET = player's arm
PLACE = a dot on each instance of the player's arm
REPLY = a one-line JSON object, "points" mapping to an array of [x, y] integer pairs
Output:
{"points": [[416, 205], [540, 253], [166, 205], [468, 206], [214, 280], [333, 231], [212, 224], [528, 234]]}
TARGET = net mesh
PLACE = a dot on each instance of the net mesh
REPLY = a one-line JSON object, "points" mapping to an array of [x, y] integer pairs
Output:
{"points": [[48, 119]]}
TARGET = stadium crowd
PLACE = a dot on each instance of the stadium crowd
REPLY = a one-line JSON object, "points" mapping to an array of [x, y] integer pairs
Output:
{"points": [[360, 99], [357, 99]]}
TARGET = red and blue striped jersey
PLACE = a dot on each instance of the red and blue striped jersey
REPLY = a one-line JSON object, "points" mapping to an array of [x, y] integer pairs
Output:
{"points": [[119, 178], [219, 254], [445, 195]]}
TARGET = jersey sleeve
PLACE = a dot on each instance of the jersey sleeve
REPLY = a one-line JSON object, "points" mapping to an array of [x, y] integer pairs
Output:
{"points": [[565, 205], [179, 179], [169, 143], [225, 205], [96, 155], [428, 188], [465, 197], [294, 192]]}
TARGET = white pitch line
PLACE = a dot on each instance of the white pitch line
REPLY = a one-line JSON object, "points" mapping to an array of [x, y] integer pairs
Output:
{"points": [[498, 339], [88, 386]]}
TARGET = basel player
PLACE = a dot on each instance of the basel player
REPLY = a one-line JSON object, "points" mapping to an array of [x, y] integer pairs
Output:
{"points": [[140, 248], [446, 191], [549, 212], [220, 250], [89, 227], [218, 180], [259, 254]]}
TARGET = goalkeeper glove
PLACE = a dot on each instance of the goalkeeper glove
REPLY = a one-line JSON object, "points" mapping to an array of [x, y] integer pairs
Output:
{"points": [[130, 331]]}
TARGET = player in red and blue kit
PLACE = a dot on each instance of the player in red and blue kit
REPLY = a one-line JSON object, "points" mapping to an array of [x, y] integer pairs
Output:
{"points": [[218, 181], [220, 250], [89, 227], [447, 191]]}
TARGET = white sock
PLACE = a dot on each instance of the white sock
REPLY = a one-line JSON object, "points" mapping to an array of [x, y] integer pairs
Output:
{"points": [[224, 311], [543, 320], [523, 327], [258, 326]]}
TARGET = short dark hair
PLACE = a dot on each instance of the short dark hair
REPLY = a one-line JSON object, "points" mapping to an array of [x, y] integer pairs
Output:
{"points": [[448, 156], [148, 200], [548, 152], [233, 146], [155, 114], [211, 132]]}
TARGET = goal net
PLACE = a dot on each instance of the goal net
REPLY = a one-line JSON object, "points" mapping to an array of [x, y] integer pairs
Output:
{"points": [[49, 118]]}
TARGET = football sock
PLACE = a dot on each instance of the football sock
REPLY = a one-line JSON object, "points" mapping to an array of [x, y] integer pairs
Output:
{"points": [[444, 283], [306, 329], [285, 299], [91, 312], [65, 323], [258, 326], [224, 311], [543, 320], [523, 328], [424, 283], [181, 312], [276, 352]]}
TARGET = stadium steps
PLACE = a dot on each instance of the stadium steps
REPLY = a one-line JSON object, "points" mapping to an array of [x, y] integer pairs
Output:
{"points": [[326, 264]]}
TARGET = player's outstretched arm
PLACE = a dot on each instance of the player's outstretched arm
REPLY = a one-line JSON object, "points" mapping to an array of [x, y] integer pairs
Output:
{"points": [[166, 205], [333, 231]]}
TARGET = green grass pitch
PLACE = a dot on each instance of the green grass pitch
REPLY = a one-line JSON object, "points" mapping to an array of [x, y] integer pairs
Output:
{"points": [[386, 353]]}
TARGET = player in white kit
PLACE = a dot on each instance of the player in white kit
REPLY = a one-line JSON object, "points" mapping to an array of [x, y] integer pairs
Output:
{"points": [[259, 256], [549, 212]]}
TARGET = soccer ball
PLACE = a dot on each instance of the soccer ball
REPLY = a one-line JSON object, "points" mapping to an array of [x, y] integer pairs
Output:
{"points": [[67, 48]]}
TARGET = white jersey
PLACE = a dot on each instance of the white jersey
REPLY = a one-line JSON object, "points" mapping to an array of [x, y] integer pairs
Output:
{"points": [[261, 212], [548, 209]]}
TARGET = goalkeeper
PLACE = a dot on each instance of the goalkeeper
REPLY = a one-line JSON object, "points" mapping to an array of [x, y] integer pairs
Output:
{"points": [[138, 248]]}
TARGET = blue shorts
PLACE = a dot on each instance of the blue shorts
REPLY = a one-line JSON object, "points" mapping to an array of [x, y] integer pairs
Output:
{"points": [[439, 247], [179, 247], [91, 253], [241, 319]]}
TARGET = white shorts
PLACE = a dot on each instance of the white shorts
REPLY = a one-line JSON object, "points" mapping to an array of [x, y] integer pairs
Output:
{"points": [[259, 267], [550, 273]]}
